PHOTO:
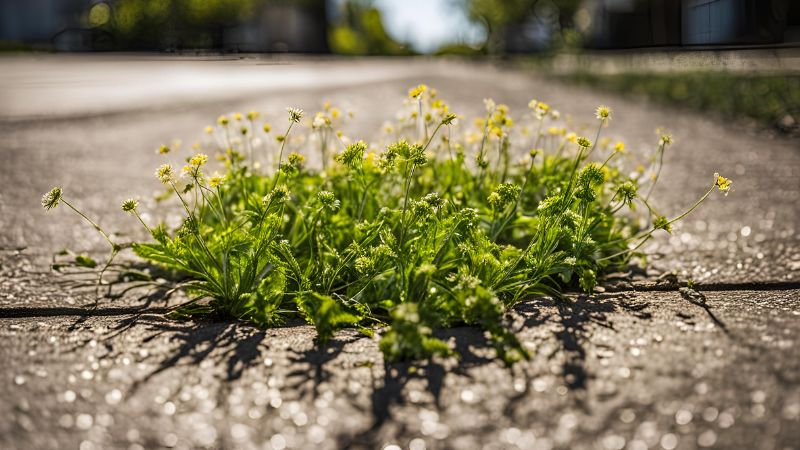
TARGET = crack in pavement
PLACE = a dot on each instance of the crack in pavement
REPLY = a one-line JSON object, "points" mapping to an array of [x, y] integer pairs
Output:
{"points": [[27, 312]]}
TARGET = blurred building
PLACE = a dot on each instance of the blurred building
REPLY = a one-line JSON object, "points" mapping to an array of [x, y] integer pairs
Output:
{"points": [[87, 25], [641, 23]]}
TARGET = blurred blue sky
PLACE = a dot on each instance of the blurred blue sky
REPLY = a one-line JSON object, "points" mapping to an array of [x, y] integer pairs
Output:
{"points": [[429, 24]]}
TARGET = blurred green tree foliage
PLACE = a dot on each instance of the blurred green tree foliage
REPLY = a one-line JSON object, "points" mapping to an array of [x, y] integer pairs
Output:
{"points": [[158, 24], [500, 17], [358, 30]]}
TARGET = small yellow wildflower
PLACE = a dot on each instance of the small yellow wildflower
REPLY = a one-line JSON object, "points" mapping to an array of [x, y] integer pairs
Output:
{"points": [[619, 147], [222, 120], [572, 137], [216, 180], [165, 173], [162, 150], [335, 113], [237, 116], [198, 159], [555, 114], [295, 158], [665, 139], [196, 146], [724, 184], [267, 127], [416, 92], [496, 131], [253, 115], [603, 113], [209, 129]]}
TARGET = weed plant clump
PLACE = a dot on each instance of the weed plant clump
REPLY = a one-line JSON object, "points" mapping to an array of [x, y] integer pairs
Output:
{"points": [[440, 223]]}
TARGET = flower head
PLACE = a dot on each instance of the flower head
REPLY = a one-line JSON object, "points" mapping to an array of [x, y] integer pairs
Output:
{"points": [[724, 184], [162, 150], [353, 155], [209, 129], [253, 115], [603, 113], [295, 114], [130, 205], [222, 120], [665, 139], [619, 147], [216, 179], [50, 200], [328, 200], [416, 92], [584, 142], [198, 159], [165, 173]]}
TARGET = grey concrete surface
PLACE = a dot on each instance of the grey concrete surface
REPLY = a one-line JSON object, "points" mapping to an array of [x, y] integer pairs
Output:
{"points": [[617, 371], [620, 370]]}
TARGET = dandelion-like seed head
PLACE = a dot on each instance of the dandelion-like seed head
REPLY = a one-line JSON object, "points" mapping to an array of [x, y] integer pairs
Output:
{"points": [[198, 159], [130, 205], [603, 113], [583, 142], [295, 114], [724, 184], [415, 93], [51, 199], [165, 173]]}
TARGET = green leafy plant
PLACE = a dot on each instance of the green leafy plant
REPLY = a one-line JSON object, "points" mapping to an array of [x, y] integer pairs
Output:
{"points": [[418, 231]]}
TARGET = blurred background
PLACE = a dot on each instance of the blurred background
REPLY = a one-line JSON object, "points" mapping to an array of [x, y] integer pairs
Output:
{"points": [[392, 27], [736, 58]]}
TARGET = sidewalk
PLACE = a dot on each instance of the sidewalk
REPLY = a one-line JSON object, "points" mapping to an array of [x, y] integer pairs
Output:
{"points": [[645, 367]]}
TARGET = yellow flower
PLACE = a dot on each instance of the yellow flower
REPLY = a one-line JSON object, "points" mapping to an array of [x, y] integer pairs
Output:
{"points": [[417, 91], [253, 115], [209, 129], [326, 106], [572, 137], [162, 150], [603, 113], [619, 147], [267, 127], [222, 120], [335, 113], [496, 131], [165, 173], [237, 116], [724, 184], [665, 139], [198, 159], [216, 180]]}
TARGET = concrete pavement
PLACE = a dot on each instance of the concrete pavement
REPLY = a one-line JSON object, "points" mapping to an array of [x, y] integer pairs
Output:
{"points": [[629, 369]]}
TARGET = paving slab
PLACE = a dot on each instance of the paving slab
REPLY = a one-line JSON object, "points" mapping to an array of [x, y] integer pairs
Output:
{"points": [[644, 370]]}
